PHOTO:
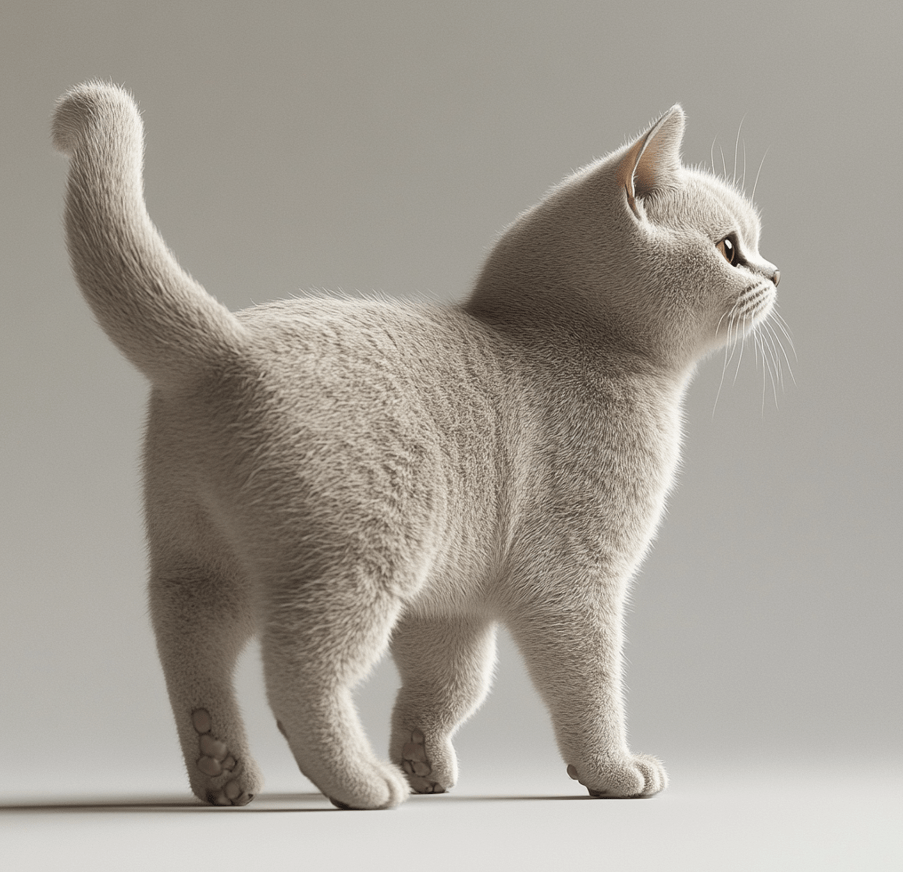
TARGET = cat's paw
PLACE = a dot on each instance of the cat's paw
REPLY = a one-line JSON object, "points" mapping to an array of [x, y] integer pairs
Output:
{"points": [[632, 775], [423, 775], [219, 778], [356, 784], [383, 787]]}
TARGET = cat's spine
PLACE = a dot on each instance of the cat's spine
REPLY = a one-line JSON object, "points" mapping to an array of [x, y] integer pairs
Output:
{"points": [[159, 317]]}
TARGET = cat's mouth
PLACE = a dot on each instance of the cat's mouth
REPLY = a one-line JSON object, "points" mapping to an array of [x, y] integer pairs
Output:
{"points": [[750, 309], [755, 303]]}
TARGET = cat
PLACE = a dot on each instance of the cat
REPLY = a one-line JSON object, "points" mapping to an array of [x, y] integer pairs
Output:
{"points": [[341, 477]]}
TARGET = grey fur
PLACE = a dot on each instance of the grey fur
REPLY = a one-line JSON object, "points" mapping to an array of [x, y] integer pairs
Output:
{"points": [[342, 476]]}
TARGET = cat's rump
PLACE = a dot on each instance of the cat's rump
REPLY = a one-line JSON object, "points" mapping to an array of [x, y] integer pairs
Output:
{"points": [[164, 322]]}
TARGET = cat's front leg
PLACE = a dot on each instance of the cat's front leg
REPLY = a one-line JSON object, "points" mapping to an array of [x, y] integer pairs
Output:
{"points": [[445, 666], [574, 656]]}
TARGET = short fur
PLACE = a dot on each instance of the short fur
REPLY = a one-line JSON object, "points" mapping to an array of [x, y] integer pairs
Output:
{"points": [[343, 476]]}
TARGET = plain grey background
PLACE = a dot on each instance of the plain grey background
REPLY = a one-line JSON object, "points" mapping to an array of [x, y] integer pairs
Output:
{"points": [[381, 146]]}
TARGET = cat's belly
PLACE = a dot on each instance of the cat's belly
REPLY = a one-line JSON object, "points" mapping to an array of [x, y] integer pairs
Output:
{"points": [[551, 545]]}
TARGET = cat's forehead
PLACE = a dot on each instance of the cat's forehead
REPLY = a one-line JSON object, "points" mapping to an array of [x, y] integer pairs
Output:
{"points": [[707, 204], [720, 206]]}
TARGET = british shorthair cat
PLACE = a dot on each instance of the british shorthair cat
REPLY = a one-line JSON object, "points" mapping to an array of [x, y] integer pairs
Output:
{"points": [[343, 477]]}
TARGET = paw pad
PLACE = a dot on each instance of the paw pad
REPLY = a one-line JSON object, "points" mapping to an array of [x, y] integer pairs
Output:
{"points": [[231, 794], [572, 772], [201, 721], [215, 760], [413, 756], [415, 763]]}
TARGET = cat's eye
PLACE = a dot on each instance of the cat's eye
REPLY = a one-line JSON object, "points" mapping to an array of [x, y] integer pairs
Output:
{"points": [[728, 248]]}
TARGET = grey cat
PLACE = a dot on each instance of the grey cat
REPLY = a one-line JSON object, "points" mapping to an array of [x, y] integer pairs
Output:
{"points": [[341, 477]]}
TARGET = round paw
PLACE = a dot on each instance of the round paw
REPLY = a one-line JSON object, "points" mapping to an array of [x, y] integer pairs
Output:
{"points": [[382, 787], [347, 774], [637, 775]]}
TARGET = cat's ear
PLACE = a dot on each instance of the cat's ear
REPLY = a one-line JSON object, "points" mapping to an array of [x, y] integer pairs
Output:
{"points": [[653, 160]]}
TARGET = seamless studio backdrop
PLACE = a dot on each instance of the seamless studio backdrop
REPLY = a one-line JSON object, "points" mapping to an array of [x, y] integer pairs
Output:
{"points": [[381, 147]]}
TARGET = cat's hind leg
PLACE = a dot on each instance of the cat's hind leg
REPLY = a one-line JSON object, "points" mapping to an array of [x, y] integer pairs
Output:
{"points": [[202, 621], [446, 669], [321, 637]]}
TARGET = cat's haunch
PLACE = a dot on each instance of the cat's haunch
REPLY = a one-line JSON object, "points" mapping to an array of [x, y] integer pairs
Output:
{"points": [[345, 477]]}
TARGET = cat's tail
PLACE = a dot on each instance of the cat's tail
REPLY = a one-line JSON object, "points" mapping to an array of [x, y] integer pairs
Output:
{"points": [[159, 317]]}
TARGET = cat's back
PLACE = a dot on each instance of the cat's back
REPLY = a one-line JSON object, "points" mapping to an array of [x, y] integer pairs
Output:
{"points": [[376, 360]]}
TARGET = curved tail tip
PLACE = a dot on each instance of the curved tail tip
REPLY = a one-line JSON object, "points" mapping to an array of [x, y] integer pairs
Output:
{"points": [[87, 106]]}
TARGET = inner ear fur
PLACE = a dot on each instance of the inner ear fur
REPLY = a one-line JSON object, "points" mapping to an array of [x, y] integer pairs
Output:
{"points": [[653, 159]]}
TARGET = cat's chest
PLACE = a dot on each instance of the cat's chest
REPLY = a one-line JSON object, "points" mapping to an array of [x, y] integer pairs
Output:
{"points": [[603, 460]]}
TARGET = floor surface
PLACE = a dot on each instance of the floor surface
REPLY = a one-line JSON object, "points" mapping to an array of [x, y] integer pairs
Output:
{"points": [[851, 819]]}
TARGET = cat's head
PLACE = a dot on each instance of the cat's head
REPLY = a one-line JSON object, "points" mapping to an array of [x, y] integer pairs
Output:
{"points": [[635, 251]]}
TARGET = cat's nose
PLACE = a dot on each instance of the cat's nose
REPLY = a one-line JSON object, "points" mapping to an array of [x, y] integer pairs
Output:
{"points": [[776, 277]]}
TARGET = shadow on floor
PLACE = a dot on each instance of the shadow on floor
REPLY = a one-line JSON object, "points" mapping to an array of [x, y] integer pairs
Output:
{"points": [[267, 802]]}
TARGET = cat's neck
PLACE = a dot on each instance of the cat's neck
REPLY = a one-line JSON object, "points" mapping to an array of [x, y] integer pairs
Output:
{"points": [[576, 337]]}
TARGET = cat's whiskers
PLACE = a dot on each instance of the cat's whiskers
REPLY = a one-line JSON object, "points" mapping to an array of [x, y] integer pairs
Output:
{"points": [[767, 340], [768, 333], [766, 368], [736, 148], [778, 322], [774, 343], [743, 182], [785, 329], [731, 316], [757, 345], [742, 344], [752, 196], [768, 359]]}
